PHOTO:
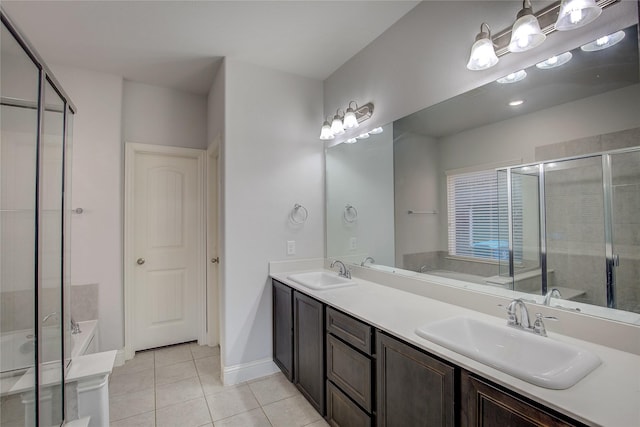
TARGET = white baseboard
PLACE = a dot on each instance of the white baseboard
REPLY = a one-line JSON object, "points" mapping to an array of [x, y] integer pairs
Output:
{"points": [[120, 358], [248, 371]]}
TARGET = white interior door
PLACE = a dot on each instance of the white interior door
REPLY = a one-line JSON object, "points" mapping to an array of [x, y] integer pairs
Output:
{"points": [[167, 196]]}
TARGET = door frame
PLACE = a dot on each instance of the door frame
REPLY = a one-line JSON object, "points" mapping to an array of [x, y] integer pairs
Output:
{"points": [[213, 309], [131, 150]]}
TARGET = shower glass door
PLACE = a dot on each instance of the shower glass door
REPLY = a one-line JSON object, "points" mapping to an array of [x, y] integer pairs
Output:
{"points": [[625, 180], [575, 229]]}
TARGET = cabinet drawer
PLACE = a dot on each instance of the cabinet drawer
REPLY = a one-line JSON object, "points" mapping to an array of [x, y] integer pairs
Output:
{"points": [[342, 412], [353, 331], [349, 370]]}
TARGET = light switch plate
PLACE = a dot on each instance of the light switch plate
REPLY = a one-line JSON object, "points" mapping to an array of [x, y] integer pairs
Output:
{"points": [[291, 247], [353, 243]]}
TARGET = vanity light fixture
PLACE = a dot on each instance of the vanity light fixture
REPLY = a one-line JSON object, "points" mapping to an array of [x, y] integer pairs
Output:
{"points": [[576, 13], [555, 61], [325, 132], [529, 30], [513, 77], [603, 42], [526, 33], [376, 131], [483, 54], [516, 103], [342, 124]]}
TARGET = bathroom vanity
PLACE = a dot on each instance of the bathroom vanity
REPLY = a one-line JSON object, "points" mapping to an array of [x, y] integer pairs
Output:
{"points": [[353, 352]]}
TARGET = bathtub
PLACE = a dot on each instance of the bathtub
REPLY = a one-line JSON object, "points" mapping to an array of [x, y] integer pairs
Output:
{"points": [[17, 348]]}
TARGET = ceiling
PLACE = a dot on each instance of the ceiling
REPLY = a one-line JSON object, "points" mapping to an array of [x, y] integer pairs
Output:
{"points": [[179, 44]]}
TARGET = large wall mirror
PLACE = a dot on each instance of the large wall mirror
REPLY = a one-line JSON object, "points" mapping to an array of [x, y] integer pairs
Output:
{"points": [[526, 185]]}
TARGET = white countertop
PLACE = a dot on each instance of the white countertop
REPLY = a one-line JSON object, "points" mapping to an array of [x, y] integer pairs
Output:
{"points": [[609, 396]]}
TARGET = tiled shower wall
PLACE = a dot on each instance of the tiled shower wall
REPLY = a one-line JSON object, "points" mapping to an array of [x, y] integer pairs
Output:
{"points": [[17, 308]]}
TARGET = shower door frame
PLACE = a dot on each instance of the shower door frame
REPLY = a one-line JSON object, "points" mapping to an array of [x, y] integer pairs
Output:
{"points": [[611, 258]]}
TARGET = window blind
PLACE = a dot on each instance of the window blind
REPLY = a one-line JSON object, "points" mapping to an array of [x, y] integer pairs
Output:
{"points": [[474, 216]]}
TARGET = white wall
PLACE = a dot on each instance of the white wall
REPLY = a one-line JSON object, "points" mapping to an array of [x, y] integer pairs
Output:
{"points": [[162, 116], [216, 105], [96, 235], [272, 160], [361, 174], [417, 186], [421, 59]]}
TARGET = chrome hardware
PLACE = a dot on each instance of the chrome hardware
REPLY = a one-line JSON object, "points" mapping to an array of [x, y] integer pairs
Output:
{"points": [[512, 314], [215, 260], [75, 328], [553, 292], [364, 261], [344, 272], [48, 316], [141, 261], [538, 325]]}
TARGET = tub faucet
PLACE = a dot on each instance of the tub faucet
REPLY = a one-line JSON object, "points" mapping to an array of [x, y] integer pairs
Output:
{"points": [[553, 292], [344, 272], [75, 328], [364, 261], [512, 314]]}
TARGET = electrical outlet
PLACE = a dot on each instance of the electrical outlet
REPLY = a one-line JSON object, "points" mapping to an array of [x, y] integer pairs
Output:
{"points": [[353, 243], [291, 247]]}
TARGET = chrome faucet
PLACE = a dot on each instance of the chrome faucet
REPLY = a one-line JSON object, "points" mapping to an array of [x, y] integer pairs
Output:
{"points": [[512, 314], [554, 292], [538, 325], [344, 272], [364, 261], [49, 316], [75, 327]]}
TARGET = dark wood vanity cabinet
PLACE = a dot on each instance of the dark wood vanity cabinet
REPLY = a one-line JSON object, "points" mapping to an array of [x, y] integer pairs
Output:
{"points": [[308, 349], [350, 371], [413, 388], [486, 405], [283, 328]]}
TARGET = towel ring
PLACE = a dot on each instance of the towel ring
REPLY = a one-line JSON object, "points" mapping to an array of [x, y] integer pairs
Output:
{"points": [[350, 213], [299, 214]]}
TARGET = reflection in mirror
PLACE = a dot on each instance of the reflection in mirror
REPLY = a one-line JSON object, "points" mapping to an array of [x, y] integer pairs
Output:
{"points": [[478, 193]]}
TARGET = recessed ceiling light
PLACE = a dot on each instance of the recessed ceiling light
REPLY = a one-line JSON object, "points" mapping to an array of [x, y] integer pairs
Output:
{"points": [[513, 77], [351, 140], [363, 136], [555, 61], [516, 103], [604, 42], [376, 131]]}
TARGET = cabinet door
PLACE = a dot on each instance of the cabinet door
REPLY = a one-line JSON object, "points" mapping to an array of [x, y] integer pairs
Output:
{"points": [[413, 388], [486, 405], [309, 349], [283, 328]]}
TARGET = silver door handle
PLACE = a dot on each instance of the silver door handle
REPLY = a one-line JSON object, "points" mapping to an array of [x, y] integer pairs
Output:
{"points": [[215, 260], [141, 261]]}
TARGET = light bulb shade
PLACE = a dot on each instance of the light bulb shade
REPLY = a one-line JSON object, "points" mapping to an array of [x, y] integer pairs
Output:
{"points": [[483, 55], [555, 61], [336, 125], [376, 131], [350, 120], [576, 13], [604, 42], [325, 132], [526, 33]]}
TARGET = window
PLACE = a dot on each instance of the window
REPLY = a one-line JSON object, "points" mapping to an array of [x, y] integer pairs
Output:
{"points": [[474, 212]]}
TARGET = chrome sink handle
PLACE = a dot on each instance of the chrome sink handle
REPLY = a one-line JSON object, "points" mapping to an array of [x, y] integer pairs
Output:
{"points": [[344, 271], [538, 325]]}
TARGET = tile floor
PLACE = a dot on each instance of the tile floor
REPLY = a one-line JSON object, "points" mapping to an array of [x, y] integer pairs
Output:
{"points": [[179, 386]]}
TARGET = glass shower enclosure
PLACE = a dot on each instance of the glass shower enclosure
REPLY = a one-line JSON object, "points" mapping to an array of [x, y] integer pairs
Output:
{"points": [[35, 142], [573, 225]]}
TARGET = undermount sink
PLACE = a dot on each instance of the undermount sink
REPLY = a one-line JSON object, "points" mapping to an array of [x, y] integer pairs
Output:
{"points": [[538, 360], [320, 280]]}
